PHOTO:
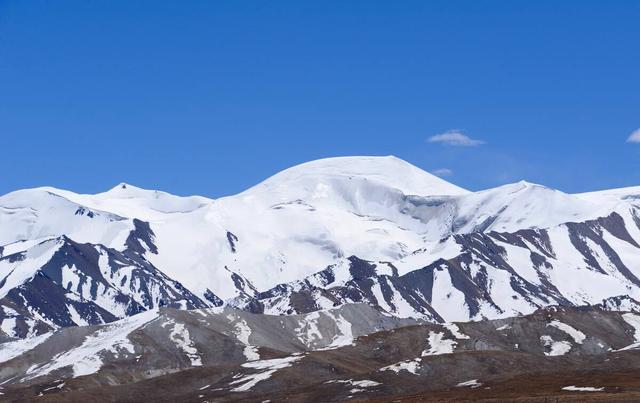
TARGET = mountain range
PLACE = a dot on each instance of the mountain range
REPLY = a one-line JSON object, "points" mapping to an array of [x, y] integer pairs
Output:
{"points": [[375, 230], [312, 244]]}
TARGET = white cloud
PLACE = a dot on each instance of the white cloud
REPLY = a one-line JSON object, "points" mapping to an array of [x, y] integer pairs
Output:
{"points": [[634, 137], [442, 172], [455, 138]]}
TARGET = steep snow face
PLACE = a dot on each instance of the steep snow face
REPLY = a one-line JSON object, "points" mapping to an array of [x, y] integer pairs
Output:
{"points": [[15, 270], [521, 205], [507, 208]]}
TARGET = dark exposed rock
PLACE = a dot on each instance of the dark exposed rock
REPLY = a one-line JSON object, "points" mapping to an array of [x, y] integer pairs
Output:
{"points": [[142, 233], [232, 241]]}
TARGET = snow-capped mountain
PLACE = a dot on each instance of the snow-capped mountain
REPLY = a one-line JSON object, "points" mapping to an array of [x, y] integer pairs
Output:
{"points": [[60, 282], [354, 229]]}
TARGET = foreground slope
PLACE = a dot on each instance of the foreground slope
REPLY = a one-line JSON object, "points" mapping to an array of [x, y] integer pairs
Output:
{"points": [[163, 341], [228, 355]]}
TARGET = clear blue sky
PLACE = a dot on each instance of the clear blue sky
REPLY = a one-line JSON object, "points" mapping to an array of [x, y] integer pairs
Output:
{"points": [[210, 97]]}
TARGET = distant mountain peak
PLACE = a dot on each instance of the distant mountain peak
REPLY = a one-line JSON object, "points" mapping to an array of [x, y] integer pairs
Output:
{"points": [[388, 171], [126, 189]]}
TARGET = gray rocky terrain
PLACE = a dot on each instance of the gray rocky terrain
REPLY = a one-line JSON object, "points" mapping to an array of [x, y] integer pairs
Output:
{"points": [[352, 352]]}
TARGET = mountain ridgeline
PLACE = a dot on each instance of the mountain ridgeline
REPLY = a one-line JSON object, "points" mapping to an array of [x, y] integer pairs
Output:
{"points": [[371, 230]]}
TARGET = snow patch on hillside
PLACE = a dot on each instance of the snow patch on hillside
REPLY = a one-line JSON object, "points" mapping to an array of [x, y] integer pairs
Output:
{"points": [[439, 345], [264, 368], [411, 366], [86, 358], [575, 334], [555, 347], [15, 348]]}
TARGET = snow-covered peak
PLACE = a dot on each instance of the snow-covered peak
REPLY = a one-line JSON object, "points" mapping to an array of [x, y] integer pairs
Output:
{"points": [[506, 208], [39, 213], [522, 205], [125, 190], [298, 220], [523, 184], [389, 172], [133, 202], [627, 194]]}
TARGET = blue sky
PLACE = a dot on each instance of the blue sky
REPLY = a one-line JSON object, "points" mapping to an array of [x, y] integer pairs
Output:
{"points": [[211, 97]]}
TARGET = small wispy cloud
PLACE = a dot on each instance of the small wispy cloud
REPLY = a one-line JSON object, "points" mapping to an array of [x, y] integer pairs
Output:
{"points": [[442, 172], [634, 137], [455, 138]]}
